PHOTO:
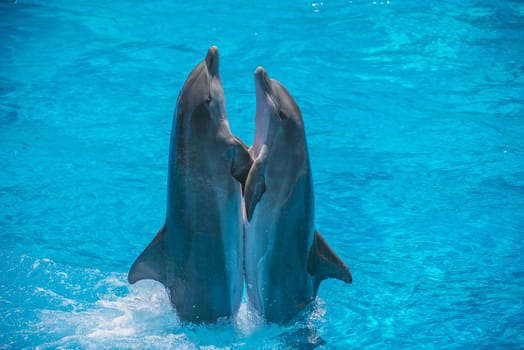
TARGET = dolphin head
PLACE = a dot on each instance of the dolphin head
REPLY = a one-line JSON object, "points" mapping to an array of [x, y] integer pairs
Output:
{"points": [[202, 96], [278, 119]]}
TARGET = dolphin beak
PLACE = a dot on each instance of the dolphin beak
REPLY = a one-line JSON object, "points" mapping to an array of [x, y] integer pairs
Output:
{"points": [[262, 83], [262, 90], [212, 61]]}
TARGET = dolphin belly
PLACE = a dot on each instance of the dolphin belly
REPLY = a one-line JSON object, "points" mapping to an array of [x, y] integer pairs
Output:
{"points": [[276, 257], [207, 258]]}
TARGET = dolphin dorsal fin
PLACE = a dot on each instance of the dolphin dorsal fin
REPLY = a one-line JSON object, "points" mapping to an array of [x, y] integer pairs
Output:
{"points": [[325, 263], [150, 264]]}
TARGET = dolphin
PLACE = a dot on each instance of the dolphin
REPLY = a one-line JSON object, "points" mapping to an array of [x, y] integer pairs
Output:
{"points": [[286, 258], [197, 254]]}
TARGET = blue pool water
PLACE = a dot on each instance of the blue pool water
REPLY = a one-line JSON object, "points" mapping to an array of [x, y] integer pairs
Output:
{"points": [[415, 123]]}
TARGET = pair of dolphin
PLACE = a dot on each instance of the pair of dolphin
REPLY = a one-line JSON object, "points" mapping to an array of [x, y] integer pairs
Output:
{"points": [[205, 250]]}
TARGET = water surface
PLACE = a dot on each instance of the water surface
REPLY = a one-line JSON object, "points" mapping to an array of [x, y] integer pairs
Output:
{"points": [[414, 117]]}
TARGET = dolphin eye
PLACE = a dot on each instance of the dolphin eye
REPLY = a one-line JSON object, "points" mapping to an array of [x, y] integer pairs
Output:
{"points": [[208, 100], [281, 115]]}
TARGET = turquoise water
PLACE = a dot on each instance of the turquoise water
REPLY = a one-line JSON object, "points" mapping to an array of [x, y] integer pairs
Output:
{"points": [[415, 123]]}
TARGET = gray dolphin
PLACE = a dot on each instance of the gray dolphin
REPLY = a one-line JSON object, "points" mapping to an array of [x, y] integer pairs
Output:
{"points": [[197, 254], [286, 258]]}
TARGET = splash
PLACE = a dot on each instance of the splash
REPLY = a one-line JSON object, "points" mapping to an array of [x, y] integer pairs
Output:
{"points": [[140, 316]]}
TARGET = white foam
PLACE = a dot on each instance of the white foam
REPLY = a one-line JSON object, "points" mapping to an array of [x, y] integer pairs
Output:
{"points": [[141, 316], [55, 296], [145, 314]]}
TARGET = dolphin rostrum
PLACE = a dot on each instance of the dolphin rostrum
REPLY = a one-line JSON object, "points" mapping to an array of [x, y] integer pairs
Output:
{"points": [[197, 254], [286, 258]]}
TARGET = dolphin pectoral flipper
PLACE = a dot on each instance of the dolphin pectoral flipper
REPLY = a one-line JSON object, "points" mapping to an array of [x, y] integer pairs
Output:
{"points": [[241, 163], [255, 188], [325, 263], [151, 263]]}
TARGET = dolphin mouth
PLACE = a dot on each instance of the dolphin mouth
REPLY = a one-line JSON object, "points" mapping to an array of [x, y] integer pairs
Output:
{"points": [[262, 81], [212, 61], [263, 91], [263, 94]]}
